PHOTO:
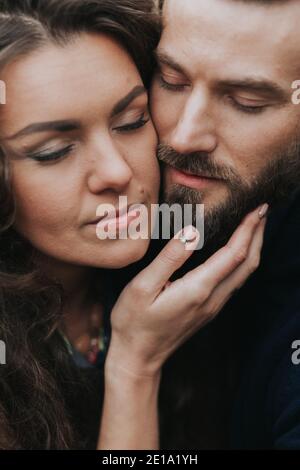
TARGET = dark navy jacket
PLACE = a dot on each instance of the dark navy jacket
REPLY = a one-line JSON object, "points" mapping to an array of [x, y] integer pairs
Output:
{"points": [[267, 405], [266, 315]]}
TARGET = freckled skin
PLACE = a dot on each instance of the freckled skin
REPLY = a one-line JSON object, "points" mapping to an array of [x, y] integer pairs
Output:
{"points": [[81, 81]]}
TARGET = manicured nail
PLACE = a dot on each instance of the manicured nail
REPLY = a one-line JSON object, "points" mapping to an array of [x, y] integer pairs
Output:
{"points": [[263, 211], [188, 235]]}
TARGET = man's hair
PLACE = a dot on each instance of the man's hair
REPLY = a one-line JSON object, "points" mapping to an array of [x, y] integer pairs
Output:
{"points": [[262, 2]]}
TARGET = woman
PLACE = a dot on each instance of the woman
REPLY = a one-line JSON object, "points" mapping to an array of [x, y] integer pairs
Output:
{"points": [[76, 134]]}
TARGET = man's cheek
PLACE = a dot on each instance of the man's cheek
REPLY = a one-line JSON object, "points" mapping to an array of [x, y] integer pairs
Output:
{"points": [[162, 116], [247, 156], [158, 121]]}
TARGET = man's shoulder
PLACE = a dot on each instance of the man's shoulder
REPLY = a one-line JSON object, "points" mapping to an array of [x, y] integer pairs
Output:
{"points": [[282, 248], [283, 402], [267, 406], [267, 410]]}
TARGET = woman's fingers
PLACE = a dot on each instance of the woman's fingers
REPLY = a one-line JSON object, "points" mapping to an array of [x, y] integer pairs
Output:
{"points": [[237, 279], [198, 285], [228, 258], [154, 278]]}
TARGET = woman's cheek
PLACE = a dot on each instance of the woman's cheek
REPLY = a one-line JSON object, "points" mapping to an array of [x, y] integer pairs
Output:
{"points": [[150, 174], [39, 202]]}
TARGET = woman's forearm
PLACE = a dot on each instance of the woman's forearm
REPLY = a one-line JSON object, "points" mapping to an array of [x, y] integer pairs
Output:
{"points": [[130, 411]]}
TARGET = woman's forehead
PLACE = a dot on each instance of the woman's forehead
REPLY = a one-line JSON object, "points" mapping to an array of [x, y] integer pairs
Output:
{"points": [[55, 82]]}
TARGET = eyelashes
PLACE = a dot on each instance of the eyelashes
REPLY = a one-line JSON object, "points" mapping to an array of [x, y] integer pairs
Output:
{"points": [[247, 109], [169, 86], [51, 156], [141, 122], [242, 108], [44, 157]]}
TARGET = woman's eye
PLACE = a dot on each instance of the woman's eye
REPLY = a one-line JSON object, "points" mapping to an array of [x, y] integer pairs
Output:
{"points": [[141, 122], [251, 109], [51, 156], [170, 86]]}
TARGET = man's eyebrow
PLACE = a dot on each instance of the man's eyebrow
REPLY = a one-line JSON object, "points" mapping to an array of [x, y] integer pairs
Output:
{"points": [[165, 59], [125, 102], [266, 87], [59, 126], [68, 126]]}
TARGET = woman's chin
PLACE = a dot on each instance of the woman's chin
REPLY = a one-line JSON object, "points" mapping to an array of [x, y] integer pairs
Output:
{"points": [[119, 255]]}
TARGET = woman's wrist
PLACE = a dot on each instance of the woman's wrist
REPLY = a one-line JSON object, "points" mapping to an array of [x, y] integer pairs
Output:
{"points": [[130, 410], [122, 382], [119, 368], [130, 365]]}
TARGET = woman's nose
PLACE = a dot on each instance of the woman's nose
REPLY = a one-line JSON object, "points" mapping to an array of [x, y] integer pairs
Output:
{"points": [[108, 169]]}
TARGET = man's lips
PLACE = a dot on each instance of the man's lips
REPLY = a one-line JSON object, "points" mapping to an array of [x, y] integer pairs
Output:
{"points": [[190, 180]]}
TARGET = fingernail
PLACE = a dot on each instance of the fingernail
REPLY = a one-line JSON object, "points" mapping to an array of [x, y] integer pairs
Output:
{"points": [[263, 211], [188, 235]]}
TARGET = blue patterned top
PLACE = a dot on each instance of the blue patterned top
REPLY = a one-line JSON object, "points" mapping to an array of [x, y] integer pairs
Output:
{"points": [[109, 300]]}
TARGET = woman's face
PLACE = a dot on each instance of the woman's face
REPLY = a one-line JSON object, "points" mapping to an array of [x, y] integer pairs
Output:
{"points": [[78, 134]]}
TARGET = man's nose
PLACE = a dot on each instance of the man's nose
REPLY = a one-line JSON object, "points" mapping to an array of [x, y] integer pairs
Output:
{"points": [[108, 169], [195, 130]]}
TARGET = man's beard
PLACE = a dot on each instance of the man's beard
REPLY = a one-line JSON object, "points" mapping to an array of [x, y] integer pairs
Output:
{"points": [[279, 179]]}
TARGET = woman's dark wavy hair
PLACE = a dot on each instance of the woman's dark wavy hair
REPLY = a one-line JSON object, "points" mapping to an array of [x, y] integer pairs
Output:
{"points": [[39, 377], [39, 373]]}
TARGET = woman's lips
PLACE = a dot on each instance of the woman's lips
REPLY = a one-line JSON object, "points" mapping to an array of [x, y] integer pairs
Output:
{"points": [[118, 223], [118, 219], [191, 181]]}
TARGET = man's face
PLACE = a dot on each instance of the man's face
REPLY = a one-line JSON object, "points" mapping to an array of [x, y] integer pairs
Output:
{"points": [[222, 104]]}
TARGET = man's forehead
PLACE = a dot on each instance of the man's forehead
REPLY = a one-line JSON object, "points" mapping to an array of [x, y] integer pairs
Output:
{"points": [[231, 30], [237, 17], [229, 7]]}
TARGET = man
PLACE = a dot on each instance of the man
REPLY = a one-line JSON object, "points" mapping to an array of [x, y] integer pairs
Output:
{"points": [[229, 132]]}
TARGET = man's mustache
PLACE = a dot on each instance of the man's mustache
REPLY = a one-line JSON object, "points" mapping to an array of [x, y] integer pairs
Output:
{"points": [[197, 163]]}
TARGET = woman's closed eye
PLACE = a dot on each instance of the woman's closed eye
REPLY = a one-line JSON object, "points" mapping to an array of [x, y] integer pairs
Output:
{"points": [[133, 126], [48, 156]]}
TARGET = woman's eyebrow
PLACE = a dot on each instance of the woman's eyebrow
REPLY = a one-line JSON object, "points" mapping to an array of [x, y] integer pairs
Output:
{"points": [[125, 102], [59, 126], [72, 125]]}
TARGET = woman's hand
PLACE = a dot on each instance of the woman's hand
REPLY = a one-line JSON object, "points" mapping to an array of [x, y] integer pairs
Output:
{"points": [[153, 317]]}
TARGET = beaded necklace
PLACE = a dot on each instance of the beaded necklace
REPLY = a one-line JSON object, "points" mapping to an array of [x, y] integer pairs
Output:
{"points": [[91, 343], [96, 346]]}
